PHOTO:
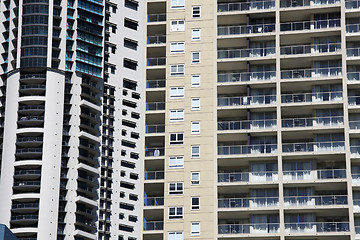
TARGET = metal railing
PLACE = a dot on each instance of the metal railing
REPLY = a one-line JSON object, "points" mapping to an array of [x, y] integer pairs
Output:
{"points": [[32, 76], [351, 76], [33, 86], [353, 125], [355, 150], [31, 118], [246, 53], [304, 3], [155, 225], [246, 76], [154, 175], [268, 176], [24, 217], [26, 183], [160, 61], [321, 174], [246, 124], [248, 202], [313, 121], [312, 48], [352, 4], [247, 149], [255, 228], [155, 83], [154, 152], [155, 128], [317, 227], [154, 106], [29, 139], [153, 201], [323, 200], [25, 205], [246, 29], [246, 6], [311, 97], [157, 17], [29, 150], [353, 28], [31, 107], [352, 52], [246, 100], [309, 25], [354, 100], [27, 172], [160, 39], [313, 146], [311, 73]]}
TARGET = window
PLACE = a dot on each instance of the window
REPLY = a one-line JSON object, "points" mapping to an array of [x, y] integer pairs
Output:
{"points": [[195, 178], [132, 24], [195, 151], [195, 228], [132, 4], [195, 203], [176, 115], [195, 34], [177, 26], [176, 92], [176, 188], [176, 138], [131, 64], [176, 161], [195, 80], [177, 70], [195, 127], [177, 4], [177, 47], [195, 104], [195, 57], [132, 44], [196, 12], [175, 236], [175, 212]]}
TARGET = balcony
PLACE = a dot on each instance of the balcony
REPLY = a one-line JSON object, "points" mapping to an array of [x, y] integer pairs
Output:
{"points": [[317, 227], [160, 61], [33, 76], [313, 147], [30, 151], [355, 150], [305, 3], [251, 202], [321, 174], [353, 76], [153, 201], [152, 226], [312, 122], [310, 49], [156, 17], [309, 25], [159, 39], [311, 73], [155, 83], [246, 125], [154, 175], [255, 228], [30, 120], [246, 76], [246, 6], [326, 200], [354, 100], [312, 97], [352, 4], [246, 53], [247, 149], [246, 29], [353, 28], [268, 176], [246, 100], [352, 52], [27, 172], [155, 128], [155, 106], [27, 184], [31, 108], [26, 218], [154, 152], [32, 206], [24, 140]]}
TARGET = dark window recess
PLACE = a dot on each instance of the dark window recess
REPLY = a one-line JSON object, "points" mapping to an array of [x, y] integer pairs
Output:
{"points": [[123, 132], [122, 173], [121, 216], [135, 95], [135, 115], [127, 164], [128, 144], [125, 92], [129, 123], [134, 155], [122, 194], [129, 104], [112, 69], [127, 185], [132, 4], [129, 84], [130, 64], [113, 28], [132, 44], [132, 219], [126, 228], [113, 49], [123, 152], [134, 135], [134, 176], [127, 206], [133, 197], [132, 24]]}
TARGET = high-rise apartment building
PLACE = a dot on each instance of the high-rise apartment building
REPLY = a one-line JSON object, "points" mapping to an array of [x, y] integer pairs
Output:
{"points": [[71, 118], [252, 120]]}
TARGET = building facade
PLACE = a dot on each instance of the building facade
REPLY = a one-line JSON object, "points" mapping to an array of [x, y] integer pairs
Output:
{"points": [[252, 120]]}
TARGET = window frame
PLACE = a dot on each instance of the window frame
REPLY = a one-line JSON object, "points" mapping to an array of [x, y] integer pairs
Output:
{"points": [[176, 235], [177, 50], [198, 12], [179, 115], [193, 206], [179, 162], [193, 155], [193, 59], [176, 215], [177, 6], [193, 37], [177, 95], [195, 104], [177, 72], [177, 25], [177, 141], [193, 82], [176, 191], [194, 181], [192, 232], [195, 127]]}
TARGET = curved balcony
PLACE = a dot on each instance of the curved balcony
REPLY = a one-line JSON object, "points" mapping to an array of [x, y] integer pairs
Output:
{"points": [[29, 141], [155, 128], [153, 201], [247, 149], [27, 173], [310, 49], [246, 76], [320, 200], [35, 89], [25, 77], [31, 108], [313, 147], [321, 174], [246, 6], [255, 228], [153, 225], [28, 152], [24, 207], [154, 152], [306, 3], [246, 125], [26, 184], [317, 227], [246, 29], [309, 25], [252, 202], [311, 73], [31, 121], [246, 53], [312, 97], [24, 218], [312, 122], [269, 176], [155, 83], [154, 175], [246, 100]]}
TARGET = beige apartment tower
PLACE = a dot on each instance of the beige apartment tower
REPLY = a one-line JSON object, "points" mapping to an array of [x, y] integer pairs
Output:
{"points": [[252, 120]]}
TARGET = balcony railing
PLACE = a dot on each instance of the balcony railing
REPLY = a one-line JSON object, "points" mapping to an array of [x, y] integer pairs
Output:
{"points": [[154, 175], [31, 107], [26, 183], [355, 150], [246, 124], [352, 4], [160, 61], [268, 176], [354, 125], [246, 76], [353, 28], [246, 53], [304, 3], [247, 149], [310, 25], [155, 106], [246, 29], [246, 6], [246, 100], [312, 97], [31, 118], [155, 128], [32, 76], [27, 172], [151, 226], [317, 227], [313, 146], [157, 17], [311, 73], [154, 152], [312, 122], [353, 76], [255, 228], [352, 52], [24, 217], [325, 200], [248, 202], [155, 83], [313, 48], [321, 174], [25, 206], [354, 100], [153, 201], [29, 150], [161, 39]]}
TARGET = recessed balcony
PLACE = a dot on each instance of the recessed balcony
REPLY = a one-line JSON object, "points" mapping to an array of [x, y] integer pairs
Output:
{"points": [[26, 184], [305, 3], [246, 77], [156, 40], [153, 62], [312, 97], [24, 218], [316, 227], [27, 173], [246, 125], [312, 122], [353, 28], [153, 129], [335, 146], [153, 84], [246, 177], [252, 202], [33, 89], [245, 6], [155, 106], [246, 100], [25, 207], [153, 201], [311, 175], [319, 200], [255, 228], [31, 108], [31, 121], [154, 175], [246, 29], [154, 152], [153, 18], [309, 25], [28, 152], [311, 73], [153, 226], [29, 141], [25, 77], [246, 53], [247, 149], [310, 49]]}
